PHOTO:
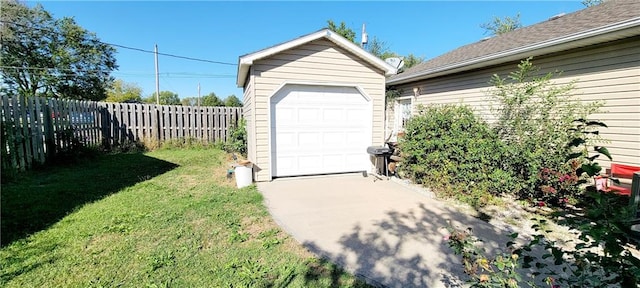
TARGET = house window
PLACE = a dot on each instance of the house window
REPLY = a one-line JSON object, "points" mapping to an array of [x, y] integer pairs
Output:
{"points": [[403, 113]]}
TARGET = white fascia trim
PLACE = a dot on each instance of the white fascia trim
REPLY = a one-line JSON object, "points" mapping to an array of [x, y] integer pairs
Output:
{"points": [[245, 62], [502, 56]]}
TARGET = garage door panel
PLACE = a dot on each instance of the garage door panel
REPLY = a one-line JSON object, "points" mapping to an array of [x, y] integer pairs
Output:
{"points": [[309, 162], [285, 114], [308, 114], [355, 158], [287, 140], [317, 130], [333, 114], [287, 163], [333, 138], [309, 138], [355, 138], [355, 115]]}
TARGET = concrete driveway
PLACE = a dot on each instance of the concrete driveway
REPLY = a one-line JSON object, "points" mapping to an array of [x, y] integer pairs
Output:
{"points": [[385, 232]]}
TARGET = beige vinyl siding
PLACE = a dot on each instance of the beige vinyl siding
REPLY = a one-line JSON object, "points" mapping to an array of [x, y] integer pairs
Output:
{"points": [[249, 116], [607, 72], [389, 119], [318, 62]]}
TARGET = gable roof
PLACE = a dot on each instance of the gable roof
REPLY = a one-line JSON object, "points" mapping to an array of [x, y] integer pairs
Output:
{"points": [[608, 21], [245, 61]]}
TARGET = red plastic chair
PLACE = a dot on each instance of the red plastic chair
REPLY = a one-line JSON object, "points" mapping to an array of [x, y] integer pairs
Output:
{"points": [[623, 172]]}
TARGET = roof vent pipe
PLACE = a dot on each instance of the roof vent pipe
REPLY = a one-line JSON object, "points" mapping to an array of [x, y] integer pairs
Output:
{"points": [[365, 37], [554, 17]]}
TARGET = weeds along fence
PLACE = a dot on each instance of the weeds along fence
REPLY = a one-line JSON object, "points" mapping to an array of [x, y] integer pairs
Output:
{"points": [[36, 128]]}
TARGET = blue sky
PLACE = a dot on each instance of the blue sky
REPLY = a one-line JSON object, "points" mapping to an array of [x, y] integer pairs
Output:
{"points": [[222, 31]]}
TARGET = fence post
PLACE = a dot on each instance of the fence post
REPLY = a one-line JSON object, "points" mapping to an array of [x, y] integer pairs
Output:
{"points": [[104, 128], [49, 138], [154, 123]]}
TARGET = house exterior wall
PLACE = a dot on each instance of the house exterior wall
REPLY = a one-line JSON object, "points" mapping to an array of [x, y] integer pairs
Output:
{"points": [[608, 72], [248, 115], [318, 62]]}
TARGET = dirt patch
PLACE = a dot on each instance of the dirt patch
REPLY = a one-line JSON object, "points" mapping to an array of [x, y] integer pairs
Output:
{"points": [[223, 174], [255, 225]]}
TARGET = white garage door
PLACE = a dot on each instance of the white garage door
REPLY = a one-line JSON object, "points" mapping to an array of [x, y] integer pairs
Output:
{"points": [[319, 130]]}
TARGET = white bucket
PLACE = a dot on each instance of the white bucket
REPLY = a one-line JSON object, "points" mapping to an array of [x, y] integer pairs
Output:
{"points": [[244, 175]]}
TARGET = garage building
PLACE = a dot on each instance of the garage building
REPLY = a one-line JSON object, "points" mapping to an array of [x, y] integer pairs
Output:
{"points": [[312, 106]]}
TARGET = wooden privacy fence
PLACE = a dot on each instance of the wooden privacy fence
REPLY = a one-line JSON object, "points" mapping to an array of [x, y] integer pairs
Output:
{"points": [[139, 122], [35, 128]]}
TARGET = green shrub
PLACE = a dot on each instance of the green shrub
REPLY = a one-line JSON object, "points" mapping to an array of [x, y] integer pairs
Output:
{"points": [[237, 141], [601, 256], [451, 150], [535, 119], [71, 148], [129, 146]]}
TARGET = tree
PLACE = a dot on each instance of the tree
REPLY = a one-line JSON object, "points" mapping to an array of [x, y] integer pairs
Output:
{"points": [[166, 98], [121, 91], [232, 101], [379, 48], [43, 56], [343, 30], [189, 101], [211, 100], [499, 26], [375, 46], [412, 60]]}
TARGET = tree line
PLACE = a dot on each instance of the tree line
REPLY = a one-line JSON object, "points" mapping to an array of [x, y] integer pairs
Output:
{"points": [[375, 46], [121, 91]]}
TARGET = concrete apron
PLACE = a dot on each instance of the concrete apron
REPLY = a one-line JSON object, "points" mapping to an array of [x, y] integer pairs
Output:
{"points": [[382, 231]]}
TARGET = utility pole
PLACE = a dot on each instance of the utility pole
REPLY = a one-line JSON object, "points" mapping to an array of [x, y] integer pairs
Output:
{"points": [[157, 77], [198, 94]]}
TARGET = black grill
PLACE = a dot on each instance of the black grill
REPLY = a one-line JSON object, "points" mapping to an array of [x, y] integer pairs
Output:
{"points": [[384, 153], [379, 151]]}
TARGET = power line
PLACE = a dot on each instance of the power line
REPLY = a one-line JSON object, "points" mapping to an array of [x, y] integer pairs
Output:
{"points": [[170, 55], [130, 48], [165, 74]]}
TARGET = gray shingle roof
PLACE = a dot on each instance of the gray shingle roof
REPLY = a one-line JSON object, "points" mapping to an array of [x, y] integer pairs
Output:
{"points": [[607, 13]]}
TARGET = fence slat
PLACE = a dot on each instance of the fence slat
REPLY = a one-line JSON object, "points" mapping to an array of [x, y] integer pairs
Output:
{"points": [[94, 121], [9, 131], [209, 124], [126, 122], [139, 128], [39, 128], [181, 122], [26, 128], [73, 121], [49, 136], [66, 122], [19, 133], [32, 113], [199, 121], [83, 115]]}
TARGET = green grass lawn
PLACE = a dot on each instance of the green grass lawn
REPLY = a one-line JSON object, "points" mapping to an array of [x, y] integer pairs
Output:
{"points": [[167, 218]]}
